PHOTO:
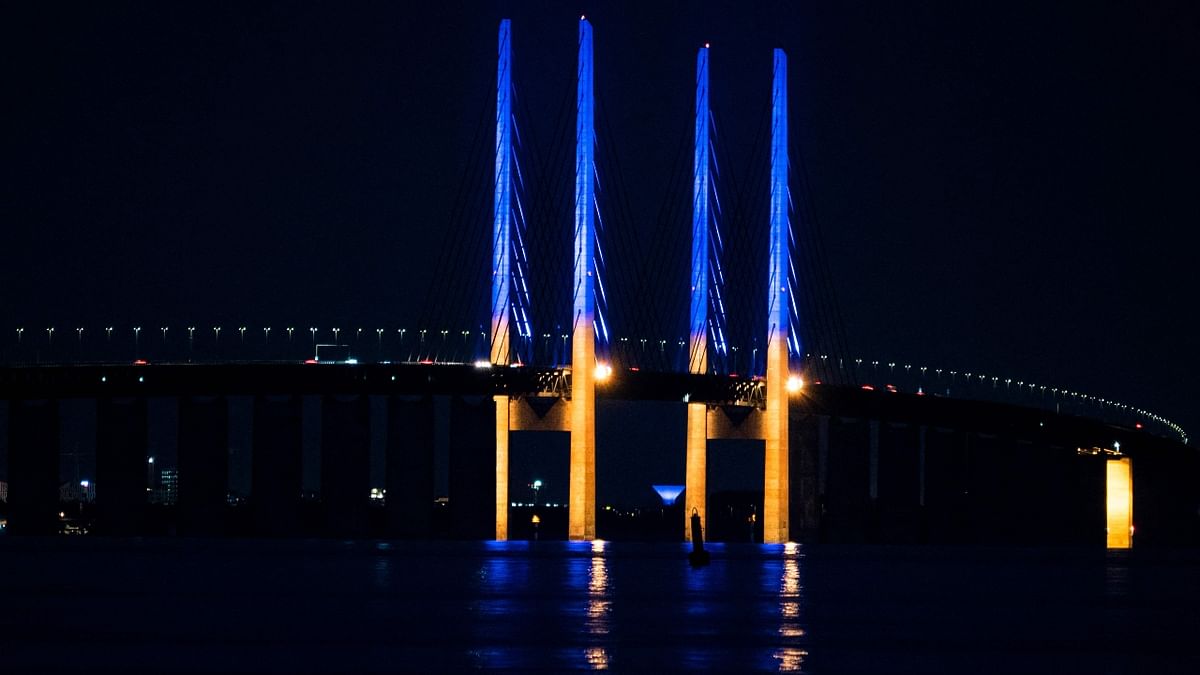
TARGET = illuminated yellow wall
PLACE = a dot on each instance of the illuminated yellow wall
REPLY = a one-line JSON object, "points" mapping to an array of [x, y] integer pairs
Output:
{"points": [[502, 415], [1119, 488]]}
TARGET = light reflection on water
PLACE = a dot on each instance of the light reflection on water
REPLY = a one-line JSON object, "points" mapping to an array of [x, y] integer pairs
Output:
{"points": [[557, 606]]}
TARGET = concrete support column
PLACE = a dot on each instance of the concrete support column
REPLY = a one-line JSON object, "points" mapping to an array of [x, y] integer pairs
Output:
{"points": [[873, 463], [581, 509], [695, 494], [121, 466], [276, 464], [410, 447], [776, 529], [33, 463], [203, 464], [502, 428], [345, 463], [472, 477]]}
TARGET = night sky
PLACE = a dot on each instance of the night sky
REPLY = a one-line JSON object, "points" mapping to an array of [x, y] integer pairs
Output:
{"points": [[1008, 189]]}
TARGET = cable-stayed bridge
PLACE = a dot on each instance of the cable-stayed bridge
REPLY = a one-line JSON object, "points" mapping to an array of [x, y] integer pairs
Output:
{"points": [[556, 317]]}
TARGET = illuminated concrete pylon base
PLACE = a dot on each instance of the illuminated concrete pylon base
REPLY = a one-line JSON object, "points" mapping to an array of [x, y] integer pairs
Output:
{"points": [[581, 509], [502, 427], [1118, 486], [775, 480], [695, 494]]}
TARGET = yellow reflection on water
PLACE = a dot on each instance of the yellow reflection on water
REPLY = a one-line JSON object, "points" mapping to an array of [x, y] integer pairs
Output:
{"points": [[790, 659], [599, 605], [597, 658]]}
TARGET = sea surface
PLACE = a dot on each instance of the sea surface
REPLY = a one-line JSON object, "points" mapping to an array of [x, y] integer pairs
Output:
{"points": [[158, 605]]}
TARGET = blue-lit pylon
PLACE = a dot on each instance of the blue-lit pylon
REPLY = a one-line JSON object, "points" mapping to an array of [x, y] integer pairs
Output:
{"points": [[698, 320], [502, 251], [501, 351], [696, 467], [581, 512], [775, 464]]}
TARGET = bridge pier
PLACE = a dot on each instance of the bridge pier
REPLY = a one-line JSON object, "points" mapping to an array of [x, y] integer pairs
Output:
{"points": [[502, 437], [203, 464], [276, 464], [33, 465], [409, 482], [121, 466], [472, 478], [345, 463]]}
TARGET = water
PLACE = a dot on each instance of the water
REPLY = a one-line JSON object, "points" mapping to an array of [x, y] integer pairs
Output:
{"points": [[289, 606]]}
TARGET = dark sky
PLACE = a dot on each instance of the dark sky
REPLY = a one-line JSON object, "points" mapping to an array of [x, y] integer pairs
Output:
{"points": [[1009, 189]]}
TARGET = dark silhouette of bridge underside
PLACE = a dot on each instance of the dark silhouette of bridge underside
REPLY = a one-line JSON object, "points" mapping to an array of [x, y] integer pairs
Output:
{"points": [[865, 465]]}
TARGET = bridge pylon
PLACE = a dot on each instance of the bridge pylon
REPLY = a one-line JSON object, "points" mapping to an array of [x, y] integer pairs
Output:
{"points": [[501, 351], [775, 481], [695, 495], [581, 510]]}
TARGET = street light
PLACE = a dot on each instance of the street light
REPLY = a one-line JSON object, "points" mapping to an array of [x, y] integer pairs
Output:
{"points": [[266, 335], [242, 333], [137, 334], [336, 339], [50, 334]]}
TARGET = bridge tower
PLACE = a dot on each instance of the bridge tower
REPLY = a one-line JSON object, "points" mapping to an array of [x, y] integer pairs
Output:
{"points": [[501, 351], [775, 485], [581, 512], [696, 479]]}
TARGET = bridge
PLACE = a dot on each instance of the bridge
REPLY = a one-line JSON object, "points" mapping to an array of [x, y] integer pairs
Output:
{"points": [[517, 375]]}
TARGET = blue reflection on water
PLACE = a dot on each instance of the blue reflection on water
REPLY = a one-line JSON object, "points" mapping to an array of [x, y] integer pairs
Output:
{"points": [[289, 606]]}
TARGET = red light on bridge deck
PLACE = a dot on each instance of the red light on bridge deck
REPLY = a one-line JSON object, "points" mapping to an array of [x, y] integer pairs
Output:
{"points": [[1137, 426], [734, 375], [891, 388], [310, 360], [635, 369], [817, 382], [139, 362], [867, 387], [426, 362]]}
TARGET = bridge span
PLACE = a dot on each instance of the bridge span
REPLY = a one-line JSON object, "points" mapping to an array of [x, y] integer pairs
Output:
{"points": [[864, 465]]}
